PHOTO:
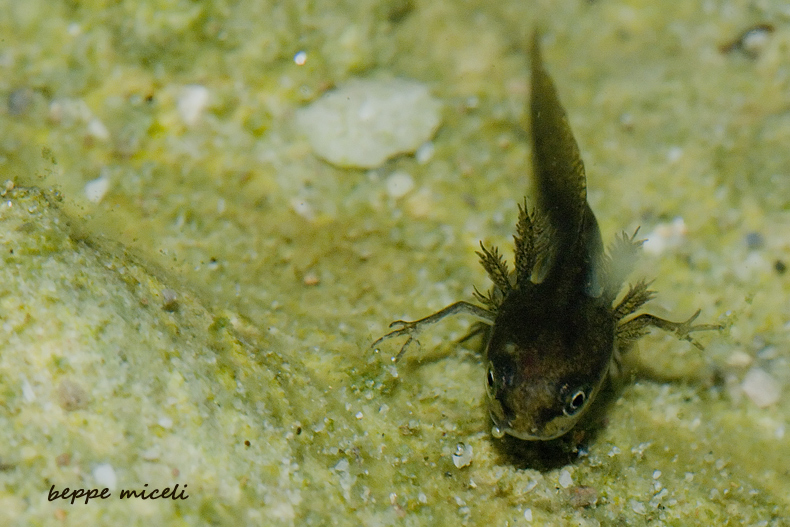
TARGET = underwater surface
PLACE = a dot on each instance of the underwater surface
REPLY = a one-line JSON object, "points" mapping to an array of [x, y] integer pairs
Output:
{"points": [[190, 290]]}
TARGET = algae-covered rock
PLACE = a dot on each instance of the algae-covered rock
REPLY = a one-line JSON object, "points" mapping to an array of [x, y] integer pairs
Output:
{"points": [[110, 379]]}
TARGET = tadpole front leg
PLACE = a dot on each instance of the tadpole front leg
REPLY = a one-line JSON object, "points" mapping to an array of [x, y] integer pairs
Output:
{"points": [[413, 328]]}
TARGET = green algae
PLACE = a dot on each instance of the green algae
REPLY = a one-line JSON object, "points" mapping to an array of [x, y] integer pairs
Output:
{"points": [[276, 310]]}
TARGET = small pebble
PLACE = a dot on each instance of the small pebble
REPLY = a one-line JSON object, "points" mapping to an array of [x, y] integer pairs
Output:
{"points": [[97, 130], [739, 359], [192, 102], [761, 388], [105, 476], [399, 184], [755, 240], [565, 480], [463, 455], [303, 208], [425, 152], [63, 460], [19, 101], [169, 300], [583, 497], [96, 189], [751, 41]]}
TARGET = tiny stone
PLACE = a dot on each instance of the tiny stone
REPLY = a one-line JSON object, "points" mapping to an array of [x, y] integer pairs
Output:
{"points": [[97, 129], [96, 189], [463, 455], [19, 101], [565, 479], [105, 476], [761, 388], [399, 184], [755, 240], [192, 102], [152, 454], [425, 152], [169, 300], [311, 278], [583, 497], [739, 359], [165, 422], [71, 396], [755, 40]]}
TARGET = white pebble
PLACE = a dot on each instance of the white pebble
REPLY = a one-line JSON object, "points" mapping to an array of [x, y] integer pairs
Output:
{"points": [[341, 466], [97, 129], [27, 390], [192, 102], [105, 476], [463, 455], [96, 189], [565, 479], [152, 454], [528, 514], [399, 184], [739, 359], [761, 387], [365, 122], [425, 152], [303, 208]]}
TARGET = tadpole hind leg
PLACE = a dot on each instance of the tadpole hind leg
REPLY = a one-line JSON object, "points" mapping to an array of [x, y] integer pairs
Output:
{"points": [[413, 328]]}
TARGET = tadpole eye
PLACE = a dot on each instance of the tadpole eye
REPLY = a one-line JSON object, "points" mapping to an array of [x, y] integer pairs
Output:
{"points": [[574, 403]]}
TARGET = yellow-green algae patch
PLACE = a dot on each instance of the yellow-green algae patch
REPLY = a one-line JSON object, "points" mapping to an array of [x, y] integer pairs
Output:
{"points": [[98, 369]]}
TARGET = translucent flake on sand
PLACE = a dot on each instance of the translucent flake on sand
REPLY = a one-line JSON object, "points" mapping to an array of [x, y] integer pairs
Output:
{"points": [[761, 388], [462, 457], [365, 122]]}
